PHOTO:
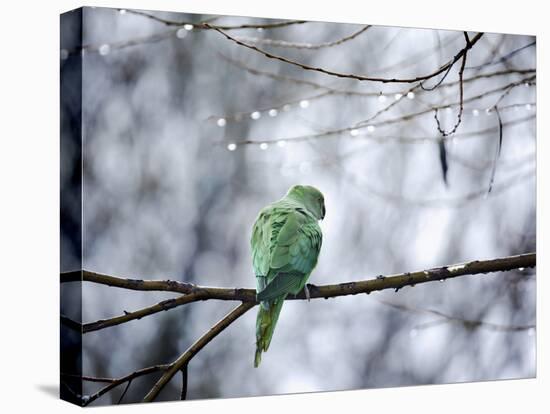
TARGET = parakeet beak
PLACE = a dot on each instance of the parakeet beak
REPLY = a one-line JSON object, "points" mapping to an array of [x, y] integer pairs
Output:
{"points": [[323, 211]]}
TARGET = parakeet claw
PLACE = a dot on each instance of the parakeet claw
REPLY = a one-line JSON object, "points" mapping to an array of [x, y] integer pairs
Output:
{"points": [[306, 290]]}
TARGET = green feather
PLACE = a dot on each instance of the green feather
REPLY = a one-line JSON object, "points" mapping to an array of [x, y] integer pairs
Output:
{"points": [[286, 240]]}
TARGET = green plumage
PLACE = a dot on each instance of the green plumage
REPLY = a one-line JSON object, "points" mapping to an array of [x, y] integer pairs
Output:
{"points": [[286, 240]]}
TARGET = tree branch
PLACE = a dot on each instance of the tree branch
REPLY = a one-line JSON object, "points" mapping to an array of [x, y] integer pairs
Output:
{"points": [[353, 92], [200, 25], [184, 359], [159, 307], [193, 293], [461, 96], [368, 122], [294, 45], [467, 323], [115, 382], [248, 298], [350, 75]]}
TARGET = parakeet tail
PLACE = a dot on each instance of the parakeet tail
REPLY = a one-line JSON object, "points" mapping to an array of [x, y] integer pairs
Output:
{"points": [[265, 325]]}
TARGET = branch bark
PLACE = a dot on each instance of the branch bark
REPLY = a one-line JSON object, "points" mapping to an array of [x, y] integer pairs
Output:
{"points": [[192, 293]]}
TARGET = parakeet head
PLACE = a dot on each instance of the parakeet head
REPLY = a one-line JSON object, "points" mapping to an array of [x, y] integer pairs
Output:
{"points": [[311, 198]]}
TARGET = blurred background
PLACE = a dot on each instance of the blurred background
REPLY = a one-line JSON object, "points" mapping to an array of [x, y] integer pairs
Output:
{"points": [[187, 135]]}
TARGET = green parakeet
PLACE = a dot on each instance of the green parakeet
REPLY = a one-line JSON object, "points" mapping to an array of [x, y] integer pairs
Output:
{"points": [[286, 240]]}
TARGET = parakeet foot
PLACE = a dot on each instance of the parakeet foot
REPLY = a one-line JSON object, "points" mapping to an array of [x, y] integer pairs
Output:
{"points": [[306, 290]]}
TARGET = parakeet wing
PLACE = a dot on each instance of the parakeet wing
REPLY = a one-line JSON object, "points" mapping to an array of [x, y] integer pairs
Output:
{"points": [[287, 252]]}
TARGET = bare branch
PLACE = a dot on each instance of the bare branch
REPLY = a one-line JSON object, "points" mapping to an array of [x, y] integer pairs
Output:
{"points": [[184, 359], [503, 58], [201, 25], [293, 45], [350, 75], [124, 392], [326, 291], [461, 96], [115, 382], [368, 122], [248, 298], [130, 316], [467, 323], [352, 92]]}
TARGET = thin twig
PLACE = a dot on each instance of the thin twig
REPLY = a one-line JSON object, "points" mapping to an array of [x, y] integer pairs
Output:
{"points": [[438, 83], [368, 122], [118, 381], [295, 45], [184, 378], [238, 116], [503, 58], [184, 359], [461, 96], [351, 92], [201, 25], [468, 323], [124, 392], [350, 75], [330, 91], [498, 149]]}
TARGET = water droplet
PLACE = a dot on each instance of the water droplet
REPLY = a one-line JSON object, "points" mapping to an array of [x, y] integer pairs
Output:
{"points": [[255, 115], [232, 146], [104, 49], [410, 95], [188, 27], [398, 96], [64, 54], [263, 146], [304, 104], [449, 109], [286, 108], [528, 107], [181, 33], [488, 111], [281, 143], [260, 29], [475, 112], [382, 98], [221, 122], [521, 269], [354, 132], [441, 280], [273, 112], [527, 84], [531, 331], [371, 128], [122, 11]]}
